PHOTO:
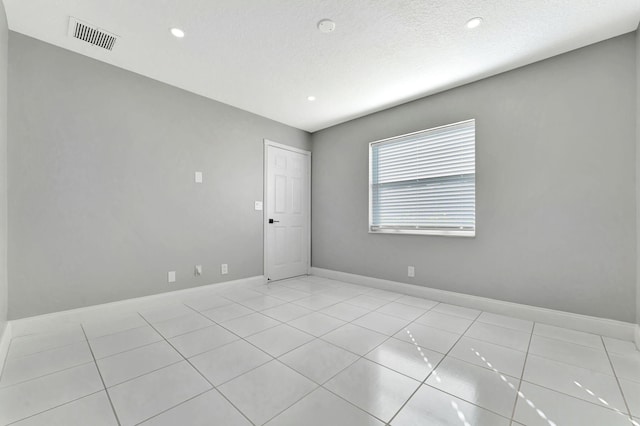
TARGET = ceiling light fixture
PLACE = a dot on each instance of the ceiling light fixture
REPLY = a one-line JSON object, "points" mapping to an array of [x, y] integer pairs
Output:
{"points": [[474, 22], [177, 32], [326, 26], [311, 98]]}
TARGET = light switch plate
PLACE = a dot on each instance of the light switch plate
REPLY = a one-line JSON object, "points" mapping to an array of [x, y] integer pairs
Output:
{"points": [[258, 205], [171, 276], [198, 177]]}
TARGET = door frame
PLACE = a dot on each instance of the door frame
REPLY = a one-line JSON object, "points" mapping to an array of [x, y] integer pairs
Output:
{"points": [[265, 200]]}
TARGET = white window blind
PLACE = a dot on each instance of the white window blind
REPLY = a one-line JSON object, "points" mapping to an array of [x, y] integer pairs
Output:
{"points": [[424, 182]]}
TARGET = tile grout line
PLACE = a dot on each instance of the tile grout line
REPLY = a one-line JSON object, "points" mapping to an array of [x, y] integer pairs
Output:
{"points": [[573, 396], [477, 339], [95, 363], [79, 364], [356, 354], [377, 346], [220, 324], [163, 338], [468, 402], [315, 310], [112, 333], [569, 395], [586, 401], [479, 366], [57, 406], [433, 370], [202, 375], [198, 354], [186, 332], [84, 396], [370, 310], [82, 340], [293, 326], [177, 405], [315, 337], [469, 362], [45, 350], [546, 357], [260, 349], [100, 359], [524, 366], [360, 357], [544, 336], [236, 341], [45, 375], [128, 350], [555, 390], [315, 388], [144, 374], [551, 389], [321, 386], [287, 352], [236, 334], [624, 399], [227, 320]]}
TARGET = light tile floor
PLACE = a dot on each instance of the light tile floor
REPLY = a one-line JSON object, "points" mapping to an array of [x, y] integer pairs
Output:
{"points": [[312, 351]]}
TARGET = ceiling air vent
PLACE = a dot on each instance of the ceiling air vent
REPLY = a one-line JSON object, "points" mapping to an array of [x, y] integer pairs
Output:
{"points": [[91, 34]]}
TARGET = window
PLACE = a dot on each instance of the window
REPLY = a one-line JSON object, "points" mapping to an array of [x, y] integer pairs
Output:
{"points": [[424, 182]]}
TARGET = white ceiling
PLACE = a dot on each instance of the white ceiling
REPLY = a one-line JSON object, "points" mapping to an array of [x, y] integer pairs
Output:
{"points": [[267, 56]]}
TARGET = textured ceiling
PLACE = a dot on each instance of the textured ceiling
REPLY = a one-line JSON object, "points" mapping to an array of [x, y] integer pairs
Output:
{"points": [[266, 56]]}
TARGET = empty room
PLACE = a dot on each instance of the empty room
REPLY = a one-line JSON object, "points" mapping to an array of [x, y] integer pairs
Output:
{"points": [[320, 213]]}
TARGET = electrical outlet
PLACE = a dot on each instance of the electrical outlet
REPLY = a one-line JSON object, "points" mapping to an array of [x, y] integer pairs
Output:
{"points": [[171, 276], [198, 177], [197, 271], [224, 269], [411, 271]]}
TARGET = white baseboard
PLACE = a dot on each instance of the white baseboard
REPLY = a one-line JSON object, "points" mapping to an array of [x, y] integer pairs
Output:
{"points": [[56, 320], [5, 339], [602, 326]]}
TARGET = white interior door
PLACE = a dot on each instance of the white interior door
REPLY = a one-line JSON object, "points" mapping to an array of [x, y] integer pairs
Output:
{"points": [[287, 211]]}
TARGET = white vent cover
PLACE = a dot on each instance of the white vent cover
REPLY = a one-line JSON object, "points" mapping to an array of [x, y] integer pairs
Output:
{"points": [[91, 34]]}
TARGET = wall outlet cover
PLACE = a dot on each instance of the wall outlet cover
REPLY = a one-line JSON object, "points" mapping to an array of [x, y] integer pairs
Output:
{"points": [[411, 271], [197, 271], [171, 276], [198, 177], [224, 269]]}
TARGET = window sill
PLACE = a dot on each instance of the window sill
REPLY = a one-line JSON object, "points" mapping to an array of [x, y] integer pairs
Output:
{"points": [[442, 233]]}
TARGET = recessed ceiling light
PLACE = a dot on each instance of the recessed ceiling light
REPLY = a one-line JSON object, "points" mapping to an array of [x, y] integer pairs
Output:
{"points": [[177, 32], [326, 26], [474, 22], [311, 98]]}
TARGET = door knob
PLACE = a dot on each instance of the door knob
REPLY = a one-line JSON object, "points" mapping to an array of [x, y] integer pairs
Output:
{"points": [[273, 221]]}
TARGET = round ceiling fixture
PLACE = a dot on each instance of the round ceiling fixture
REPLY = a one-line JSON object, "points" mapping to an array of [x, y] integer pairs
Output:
{"points": [[177, 32], [311, 98], [326, 26], [474, 22]]}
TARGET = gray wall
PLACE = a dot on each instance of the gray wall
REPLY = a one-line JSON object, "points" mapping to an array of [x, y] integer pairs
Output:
{"points": [[4, 38], [102, 199], [555, 188]]}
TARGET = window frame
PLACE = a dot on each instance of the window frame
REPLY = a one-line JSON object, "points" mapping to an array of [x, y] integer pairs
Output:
{"points": [[408, 230]]}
